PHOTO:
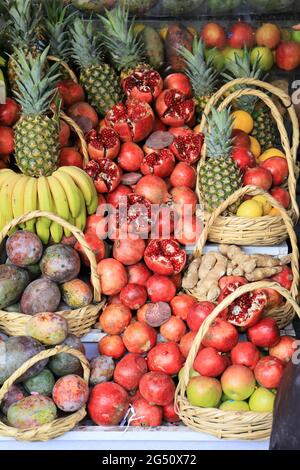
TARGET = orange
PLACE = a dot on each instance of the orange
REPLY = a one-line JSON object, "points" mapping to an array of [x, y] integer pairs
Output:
{"points": [[250, 208], [273, 152], [274, 212], [255, 147], [242, 121]]}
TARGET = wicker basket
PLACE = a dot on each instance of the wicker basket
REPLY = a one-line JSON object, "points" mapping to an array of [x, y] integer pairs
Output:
{"points": [[225, 424], [285, 313], [80, 320], [265, 230], [80, 135], [57, 427]]}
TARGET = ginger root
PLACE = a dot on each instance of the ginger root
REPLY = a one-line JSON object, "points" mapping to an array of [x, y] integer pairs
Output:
{"points": [[190, 278], [262, 273], [208, 287], [238, 258], [208, 261]]}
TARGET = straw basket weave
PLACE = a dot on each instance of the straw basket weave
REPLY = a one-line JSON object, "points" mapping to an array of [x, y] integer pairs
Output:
{"points": [[266, 230], [80, 320], [80, 136], [225, 424], [285, 313], [57, 427]]}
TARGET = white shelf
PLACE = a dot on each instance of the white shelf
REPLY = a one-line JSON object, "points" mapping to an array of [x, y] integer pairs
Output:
{"points": [[275, 250]]}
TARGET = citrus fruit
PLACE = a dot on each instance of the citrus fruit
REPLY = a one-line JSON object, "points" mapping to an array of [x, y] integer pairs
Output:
{"points": [[274, 212], [250, 208], [265, 203], [255, 147], [243, 121], [273, 152]]}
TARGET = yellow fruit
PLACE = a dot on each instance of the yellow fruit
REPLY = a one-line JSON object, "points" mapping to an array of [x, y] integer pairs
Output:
{"points": [[163, 32], [250, 208], [255, 147], [264, 202], [274, 212], [242, 121], [138, 28], [269, 154], [193, 31]]}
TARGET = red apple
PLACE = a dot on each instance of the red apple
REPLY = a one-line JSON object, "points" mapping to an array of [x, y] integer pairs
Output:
{"points": [[260, 177], [241, 34], [243, 158], [278, 167], [268, 35], [213, 34], [288, 55]]}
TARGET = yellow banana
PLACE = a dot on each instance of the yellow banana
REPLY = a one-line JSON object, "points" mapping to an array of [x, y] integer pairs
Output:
{"points": [[59, 198], [80, 221], [18, 197], [4, 173], [42, 231], [83, 181], [71, 190], [56, 232], [6, 196], [45, 203], [30, 202]]}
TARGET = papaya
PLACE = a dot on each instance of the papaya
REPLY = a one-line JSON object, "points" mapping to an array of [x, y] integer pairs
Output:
{"points": [[60, 263], [31, 412], [41, 383], [153, 46], [47, 327], [41, 295], [13, 281], [63, 363], [24, 248], [178, 35]]}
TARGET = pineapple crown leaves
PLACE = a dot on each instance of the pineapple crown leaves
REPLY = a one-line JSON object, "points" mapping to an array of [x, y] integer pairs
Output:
{"points": [[36, 84], [86, 47], [125, 49], [57, 21], [218, 139], [201, 72], [24, 18]]}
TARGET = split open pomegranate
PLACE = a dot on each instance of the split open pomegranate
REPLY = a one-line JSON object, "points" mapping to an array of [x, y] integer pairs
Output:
{"points": [[105, 144], [187, 146], [105, 174], [144, 84], [160, 163], [165, 257], [174, 109]]}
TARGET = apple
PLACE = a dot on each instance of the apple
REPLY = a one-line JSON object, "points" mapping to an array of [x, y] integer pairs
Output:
{"points": [[241, 34], [213, 34], [262, 400], [217, 58], [234, 405], [288, 55], [204, 391], [295, 36], [282, 196], [238, 382], [268, 35], [192, 373], [229, 54], [265, 56]]}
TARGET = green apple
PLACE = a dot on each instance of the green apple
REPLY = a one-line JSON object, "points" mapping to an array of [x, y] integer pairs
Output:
{"points": [[266, 57], [229, 54], [295, 36], [217, 58], [204, 391], [193, 373], [224, 397], [234, 405], [262, 400]]}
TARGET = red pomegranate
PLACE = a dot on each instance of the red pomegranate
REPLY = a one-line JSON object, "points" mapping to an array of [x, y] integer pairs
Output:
{"points": [[278, 168], [105, 174], [108, 404], [113, 276], [6, 140], [129, 371], [158, 163], [103, 144], [144, 414], [153, 188], [138, 274], [245, 354], [115, 318], [268, 371], [173, 329], [157, 388], [198, 313], [210, 363], [221, 335], [179, 81], [259, 176], [186, 343], [241, 139], [64, 133], [132, 219], [9, 112], [187, 228], [165, 357], [118, 195], [237, 280], [282, 196], [84, 115], [70, 92], [169, 413], [187, 146], [160, 288], [112, 345], [265, 334], [96, 245], [274, 299], [284, 278], [243, 158], [133, 296], [129, 251], [143, 84], [130, 157], [174, 109], [69, 156], [183, 196], [165, 257], [182, 304], [183, 175], [285, 349], [139, 337]]}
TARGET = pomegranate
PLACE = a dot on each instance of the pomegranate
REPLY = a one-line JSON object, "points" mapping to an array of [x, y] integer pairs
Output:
{"points": [[174, 109], [241, 139], [198, 313], [183, 175], [70, 92], [160, 288], [241, 34], [188, 228], [187, 146], [265, 334], [69, 156], [179, 81], [158, 163], [108, 404], [158, 125], [182, 304], [177, 280], [173, 329], [139, 338], [9, 112], [237, 280], [282, 196], [141, 313], [103, 144], [84, 115], [115, 197], [113, 276], [163, 226], [260, 177], [112, 346], [157, 388], [274, 299], [245, 354], [114, 299], [153, 188], [64, 133], [129, 371], [285, 349], [169, 413], [214, 35], [278, 168], [165, 357], [182, 196], [156, 314], [96, 245], [243, 158], [288, 55], [221, 335], [133, 121], [186, 343], [165, 257], [209, 362], [115, 318], [129, 251], [143, 84], [144, 414], [238, 382], [93, 222], [6, 140], [133, 296], [284, 278], [105, 174], [268, 371], [130, 156], [138, 274]]}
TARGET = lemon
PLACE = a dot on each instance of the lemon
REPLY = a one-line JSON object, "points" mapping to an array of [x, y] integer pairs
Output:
{"points": [[273, 152], [243, 121], [255, 147], [250, 208], [265, 203]]}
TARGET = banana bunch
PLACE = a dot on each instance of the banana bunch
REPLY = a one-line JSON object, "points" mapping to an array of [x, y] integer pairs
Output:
{"points": [[69, 192]]}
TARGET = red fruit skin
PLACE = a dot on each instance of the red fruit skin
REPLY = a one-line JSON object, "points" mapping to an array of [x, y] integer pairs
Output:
{"points": [[160, 288], [214, 35], [245, 354], [188, 229], [157, 388], [285, 278], [247, 309], [176, 119], [285, 349], [268, 371], [179, 81], [97, 224], [265, 334], [260, 177], [241, 34], [186, 343], [209, 362], [9, 112], [82, 109], [158, 125], [184, 196], [221, 335], [153, 188], [7, 145], [268, 35], [278, 167], [129, 251], [183, 174], [139, 338], [226, 280], [243, 158], [112, 346], [159, 163], [108, 404], [96, 245], [133, 296], [177, 280], [182, 304], [138, 274], [241, 139], [288, 55], [114, 299], [145, 414], [143, 85], [105, 174], [70, 92], [274, 299], [169, 413], [69, 156], [173, 329], [114, 198], [103, 144], [113, 276], [130, 156], [198, 313], [129, 371], [282, 196], [115, 318], [165, 357], [64, 133], [70, 393], [165, 257], [187, 145]]}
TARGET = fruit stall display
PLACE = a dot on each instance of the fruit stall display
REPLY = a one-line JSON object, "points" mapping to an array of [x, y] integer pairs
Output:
{"points": [[104, 121]]}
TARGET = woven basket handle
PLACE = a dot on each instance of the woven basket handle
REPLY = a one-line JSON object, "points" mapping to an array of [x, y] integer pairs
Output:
{"points": [[80, 136], [64, 64], [218, 309], [75, 231]]}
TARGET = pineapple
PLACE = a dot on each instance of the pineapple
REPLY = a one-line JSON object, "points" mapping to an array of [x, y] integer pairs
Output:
{"points": [[36, 132], [99, 80], [201, 72], [264, 127], [219, 176]]}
